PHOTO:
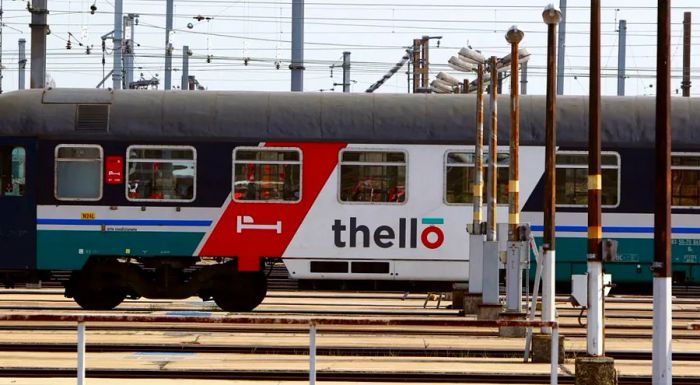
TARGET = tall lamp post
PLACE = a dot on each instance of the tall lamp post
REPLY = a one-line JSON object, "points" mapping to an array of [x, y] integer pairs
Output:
{"points": [[469, 60], [514, 282], [551, 16]]}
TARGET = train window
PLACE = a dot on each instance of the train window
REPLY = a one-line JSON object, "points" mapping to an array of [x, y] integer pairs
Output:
{"points": [[459, 177], [572, 178], [267, 174], [685, 180], [12, 171], [372, 176], [161, 173], [78, 172]]}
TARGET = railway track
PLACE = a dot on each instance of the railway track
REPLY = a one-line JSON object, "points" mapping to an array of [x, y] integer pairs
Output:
{"points": [[345, 376], [321, 351], [296, 305]]}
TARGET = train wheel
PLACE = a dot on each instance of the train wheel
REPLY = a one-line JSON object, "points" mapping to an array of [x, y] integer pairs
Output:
{"points": [[92, 296], [247, 292], [103, 299]]}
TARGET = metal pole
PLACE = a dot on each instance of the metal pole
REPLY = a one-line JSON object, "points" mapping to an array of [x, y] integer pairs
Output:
{"points": [[514, 37], [554, 357], [185, 82], [416, 64], [661, 341], [562, 49], [297, 65], [514, 300], [478, 187], [408, 77], [1, 25], [125, 53], [312, 353], [476, 237], [81, 354], [490, 278], [595, 182], [117, 74], [500, 82], [346, 71], [167, 81], [38, 54], [129, 24], [621, 56], [491, 195], [685, 84], [523, 81], [551, 17], [22, 63], [425, 62]]}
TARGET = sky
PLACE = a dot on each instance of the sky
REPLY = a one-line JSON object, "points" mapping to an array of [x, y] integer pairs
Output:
{"points": [[376, 33]]}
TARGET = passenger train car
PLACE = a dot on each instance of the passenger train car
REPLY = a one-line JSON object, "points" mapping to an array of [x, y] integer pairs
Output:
{"points": [[123, 194]]}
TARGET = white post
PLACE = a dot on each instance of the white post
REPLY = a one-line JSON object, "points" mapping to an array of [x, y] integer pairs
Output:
{"points": [[81, 353], [514, 277], [548, 289], [595, 308], [476, 262], [312, 353], [554, 375], [661, 340]]}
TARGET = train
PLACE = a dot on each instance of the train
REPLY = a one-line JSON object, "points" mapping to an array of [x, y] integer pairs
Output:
{"points": [[121, 194]]}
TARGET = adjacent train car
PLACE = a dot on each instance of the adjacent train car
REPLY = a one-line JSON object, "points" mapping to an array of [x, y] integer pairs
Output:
{"points": [[123, 194]]}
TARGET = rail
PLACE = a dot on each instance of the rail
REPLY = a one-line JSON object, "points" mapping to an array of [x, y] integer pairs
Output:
{"points": [[313, 322]]}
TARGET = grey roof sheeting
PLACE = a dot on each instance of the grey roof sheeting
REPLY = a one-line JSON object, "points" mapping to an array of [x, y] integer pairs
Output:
{"points": [[361, 117]]}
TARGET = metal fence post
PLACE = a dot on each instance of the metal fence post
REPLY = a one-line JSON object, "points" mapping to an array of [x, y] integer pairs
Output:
{"points": [[554, 375], [312, 353], [81, 353]]}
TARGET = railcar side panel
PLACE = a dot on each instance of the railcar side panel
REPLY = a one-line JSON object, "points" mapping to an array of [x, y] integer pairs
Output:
{"points": [[18, 164]]}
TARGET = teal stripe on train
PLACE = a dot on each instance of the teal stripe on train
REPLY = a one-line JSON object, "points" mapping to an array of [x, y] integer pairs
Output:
{"points": [[634, 259], [67, 249]]}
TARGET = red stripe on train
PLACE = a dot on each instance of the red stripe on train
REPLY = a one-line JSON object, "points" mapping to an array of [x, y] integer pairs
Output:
{"points": [[319, 161]]}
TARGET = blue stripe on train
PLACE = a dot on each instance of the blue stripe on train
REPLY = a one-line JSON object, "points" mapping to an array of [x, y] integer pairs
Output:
{"points": [[122, 222], [620, 229]]}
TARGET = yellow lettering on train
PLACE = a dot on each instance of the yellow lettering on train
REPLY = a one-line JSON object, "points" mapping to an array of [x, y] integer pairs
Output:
{"points": [[87, 216]]}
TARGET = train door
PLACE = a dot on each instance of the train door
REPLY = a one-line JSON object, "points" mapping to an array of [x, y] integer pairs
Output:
{"points": [[17, 203]]}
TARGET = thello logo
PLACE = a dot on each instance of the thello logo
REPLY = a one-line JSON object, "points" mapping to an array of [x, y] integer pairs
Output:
{"points": [[384, 236]]}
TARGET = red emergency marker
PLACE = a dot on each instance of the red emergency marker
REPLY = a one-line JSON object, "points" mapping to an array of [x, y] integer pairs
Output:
{"points": [[114, 169]]}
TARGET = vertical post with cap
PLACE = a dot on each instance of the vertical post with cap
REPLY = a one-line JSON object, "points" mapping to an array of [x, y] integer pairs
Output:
{"points": [[490, 294], [595, 181], [513, 274], [491, 196], [476, 237], [551, 17], [661, 340]]}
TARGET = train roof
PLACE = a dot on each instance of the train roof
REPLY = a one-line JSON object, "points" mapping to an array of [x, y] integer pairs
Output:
{"points": [[359, 117]]}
